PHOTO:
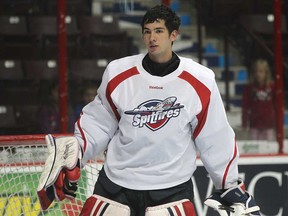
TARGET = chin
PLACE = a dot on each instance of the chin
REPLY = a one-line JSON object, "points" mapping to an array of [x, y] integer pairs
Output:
{"points": [[154, 53]]}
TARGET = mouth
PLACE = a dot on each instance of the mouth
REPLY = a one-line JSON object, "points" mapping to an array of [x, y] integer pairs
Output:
{"points": [[153, 47]]}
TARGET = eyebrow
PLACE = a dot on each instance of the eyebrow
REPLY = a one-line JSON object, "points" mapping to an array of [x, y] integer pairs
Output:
{"points": [[158, 28]]}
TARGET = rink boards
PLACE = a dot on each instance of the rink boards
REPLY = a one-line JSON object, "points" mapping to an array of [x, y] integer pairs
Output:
{"points": [[265, 177]]}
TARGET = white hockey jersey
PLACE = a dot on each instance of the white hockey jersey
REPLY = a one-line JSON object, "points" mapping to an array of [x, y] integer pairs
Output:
{"points": [[151, 126]]}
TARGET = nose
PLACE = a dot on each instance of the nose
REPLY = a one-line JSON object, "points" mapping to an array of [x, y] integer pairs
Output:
{"points": [[152, 36]]}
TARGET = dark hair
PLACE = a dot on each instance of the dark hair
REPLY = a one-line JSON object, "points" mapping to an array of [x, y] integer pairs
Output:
{"points": [[172, 21]]}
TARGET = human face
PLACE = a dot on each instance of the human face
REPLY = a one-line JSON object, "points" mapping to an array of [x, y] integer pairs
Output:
{"points": [[89, 95], [261, 74], [158, 41]]}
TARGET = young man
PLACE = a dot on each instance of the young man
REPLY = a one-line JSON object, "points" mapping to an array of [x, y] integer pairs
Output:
{"points": [[151, 113]]}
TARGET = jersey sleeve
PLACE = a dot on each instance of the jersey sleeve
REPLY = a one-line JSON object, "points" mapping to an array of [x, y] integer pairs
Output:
{"points": [[216, 142], [96, 125]]}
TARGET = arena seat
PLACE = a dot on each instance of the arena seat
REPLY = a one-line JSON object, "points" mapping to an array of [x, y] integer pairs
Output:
{"points": [[16, 42], [19, 94], [98, 25], [11, 70], [19, 50], [40, 69], [7, 116], [44, 29], [47, 25], [87, 69], [13, 25]]}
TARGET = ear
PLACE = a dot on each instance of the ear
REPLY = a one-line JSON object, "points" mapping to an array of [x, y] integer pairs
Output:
{"points": [[173, 36]]}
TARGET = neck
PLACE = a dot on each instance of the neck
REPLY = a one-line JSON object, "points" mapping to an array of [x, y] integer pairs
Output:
{"points": [[161, 59], [160, 69]]}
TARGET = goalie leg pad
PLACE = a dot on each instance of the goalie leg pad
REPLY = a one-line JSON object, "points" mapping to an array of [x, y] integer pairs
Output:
{"points": [[97, 205], [64, 154], [180, 208]]}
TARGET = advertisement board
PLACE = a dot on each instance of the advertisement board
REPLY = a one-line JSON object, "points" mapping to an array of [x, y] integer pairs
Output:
{"points": [[265, 177]]}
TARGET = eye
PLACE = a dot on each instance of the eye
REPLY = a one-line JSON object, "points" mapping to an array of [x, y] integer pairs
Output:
{"points": [[146, 31], [159, 31]]}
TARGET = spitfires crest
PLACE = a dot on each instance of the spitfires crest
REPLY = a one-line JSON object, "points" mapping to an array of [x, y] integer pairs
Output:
{"points": [[154, 114]]}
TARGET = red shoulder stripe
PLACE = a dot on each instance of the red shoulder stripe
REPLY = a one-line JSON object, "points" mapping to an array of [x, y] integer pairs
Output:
{"points": [[112, 85], [204, 94]]}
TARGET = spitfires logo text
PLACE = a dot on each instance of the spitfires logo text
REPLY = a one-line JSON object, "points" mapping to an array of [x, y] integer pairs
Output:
{"points": [[154, 114]]}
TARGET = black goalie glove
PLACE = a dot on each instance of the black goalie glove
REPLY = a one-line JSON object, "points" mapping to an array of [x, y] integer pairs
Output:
{"points": [[235, 201]]}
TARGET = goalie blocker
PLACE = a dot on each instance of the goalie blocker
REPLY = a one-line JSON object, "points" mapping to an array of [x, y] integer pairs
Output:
{"points": [[61, 171], [235, 201]]}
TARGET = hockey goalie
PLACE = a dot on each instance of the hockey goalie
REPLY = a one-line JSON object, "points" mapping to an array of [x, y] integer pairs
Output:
{"points": [[152, 115]]}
